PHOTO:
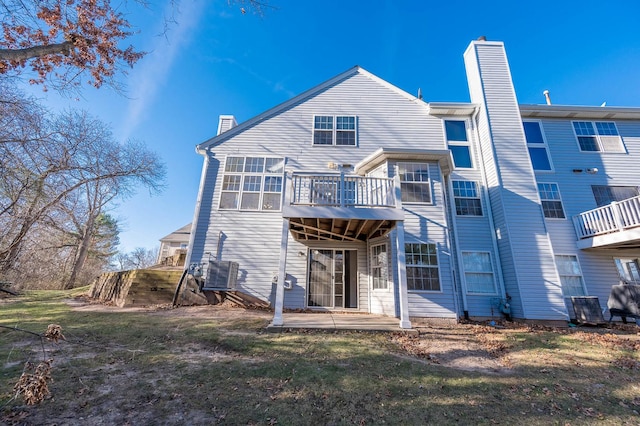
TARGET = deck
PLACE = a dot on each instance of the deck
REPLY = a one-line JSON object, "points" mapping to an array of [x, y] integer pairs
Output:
{"points": [[616, 225]]}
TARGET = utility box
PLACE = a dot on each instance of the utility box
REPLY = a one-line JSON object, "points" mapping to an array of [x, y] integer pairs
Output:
{"points": [[221, 275], [624, 301]]}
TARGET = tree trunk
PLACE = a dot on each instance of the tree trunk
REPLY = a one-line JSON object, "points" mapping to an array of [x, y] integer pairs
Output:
{"points": [[83, 252]]}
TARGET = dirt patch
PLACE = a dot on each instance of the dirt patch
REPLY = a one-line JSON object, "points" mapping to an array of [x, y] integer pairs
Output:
{"points": [[460, 346]]}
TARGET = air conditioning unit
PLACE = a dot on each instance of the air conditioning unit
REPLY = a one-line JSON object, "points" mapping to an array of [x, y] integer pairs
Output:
{"points": [[221, 275]]}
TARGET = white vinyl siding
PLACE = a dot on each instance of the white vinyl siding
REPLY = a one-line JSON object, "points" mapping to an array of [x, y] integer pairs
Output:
{"points": [[414, 182], [598, 136], [478, 272], [551, 201], [334, 130], [252, 183], [570, 275]]}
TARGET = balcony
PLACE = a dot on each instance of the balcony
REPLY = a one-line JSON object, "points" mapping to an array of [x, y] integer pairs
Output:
{"points": [[340, 207], [616, 225]]}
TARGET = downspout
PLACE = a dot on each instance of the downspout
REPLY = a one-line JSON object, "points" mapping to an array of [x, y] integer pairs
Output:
{"points": [[485, 199], [453, 235], [196, 213]]}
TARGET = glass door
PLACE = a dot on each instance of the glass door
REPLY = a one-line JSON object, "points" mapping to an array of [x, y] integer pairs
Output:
{"points": [[332, 279]]}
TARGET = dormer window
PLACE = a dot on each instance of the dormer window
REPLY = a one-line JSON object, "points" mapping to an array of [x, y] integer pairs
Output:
{"points": [[334, 130]]}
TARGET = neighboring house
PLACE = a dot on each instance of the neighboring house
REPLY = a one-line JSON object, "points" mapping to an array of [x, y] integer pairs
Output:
{"points": [[358, 196], [174, 245]]}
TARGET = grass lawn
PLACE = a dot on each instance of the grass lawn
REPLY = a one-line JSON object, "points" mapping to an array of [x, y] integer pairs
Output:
{"points": [[217, 365]]}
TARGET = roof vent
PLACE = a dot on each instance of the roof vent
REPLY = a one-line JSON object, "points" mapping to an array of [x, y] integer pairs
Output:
{"points": [[547, 97], [482, 38]]}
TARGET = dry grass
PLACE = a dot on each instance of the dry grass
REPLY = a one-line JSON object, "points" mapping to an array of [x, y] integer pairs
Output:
{"points": [[209, 365]]}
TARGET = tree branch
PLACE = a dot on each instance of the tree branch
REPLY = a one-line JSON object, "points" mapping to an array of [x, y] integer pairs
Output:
{"points": [[63, 48]]}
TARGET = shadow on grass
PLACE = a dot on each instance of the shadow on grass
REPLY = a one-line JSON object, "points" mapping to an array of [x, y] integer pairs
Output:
{"points": [[140, 368]]}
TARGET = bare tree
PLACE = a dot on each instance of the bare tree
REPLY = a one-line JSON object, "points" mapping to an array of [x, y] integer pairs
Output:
{"points": [[63, 177]]}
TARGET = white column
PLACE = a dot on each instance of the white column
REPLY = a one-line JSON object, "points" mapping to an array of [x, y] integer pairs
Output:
{"points": [[282, 272], [402, 262]]}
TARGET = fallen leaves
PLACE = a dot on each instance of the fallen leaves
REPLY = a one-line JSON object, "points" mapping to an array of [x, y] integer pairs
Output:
{"points": [[33, 384]]}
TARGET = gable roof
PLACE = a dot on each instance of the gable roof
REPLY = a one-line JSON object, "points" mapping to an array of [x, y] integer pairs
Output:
{"points": [[300, 98], [178, 235]]}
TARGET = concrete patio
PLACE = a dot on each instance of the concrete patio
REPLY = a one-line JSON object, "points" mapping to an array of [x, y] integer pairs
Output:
{"points": [[338, 321]]}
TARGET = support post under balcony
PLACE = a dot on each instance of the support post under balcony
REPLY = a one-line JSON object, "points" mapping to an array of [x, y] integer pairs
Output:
{"points": [[402, 261]]}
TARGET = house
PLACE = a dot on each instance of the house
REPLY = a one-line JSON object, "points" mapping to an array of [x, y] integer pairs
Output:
{"points": [[173, 247], [358, 196]]}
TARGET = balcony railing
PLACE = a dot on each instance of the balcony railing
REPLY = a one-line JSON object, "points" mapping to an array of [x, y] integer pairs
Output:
{"points": [[617, 216], [342, 191]]}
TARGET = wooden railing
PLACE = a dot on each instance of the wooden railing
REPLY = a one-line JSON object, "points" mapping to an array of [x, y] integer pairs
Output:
{"points": [[617, 216], [341, 191]]}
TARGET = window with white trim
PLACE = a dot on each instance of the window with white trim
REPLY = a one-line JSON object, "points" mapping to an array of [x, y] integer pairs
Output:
{"points": [[458, 143], [252, 183], [551, 201], [570, 275], [414, 182], [628, 269], [537, 146], [422, 267], [466, 198], [608, 194], [598, 136], [379, 267], [478, 272], [334, 130]]}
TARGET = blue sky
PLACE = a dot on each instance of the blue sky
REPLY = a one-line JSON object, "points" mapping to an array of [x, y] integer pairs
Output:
{"points": [[216, 60]]}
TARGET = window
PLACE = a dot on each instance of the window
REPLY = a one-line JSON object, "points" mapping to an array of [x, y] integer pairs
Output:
{"points": [[379, 270], [252, 183], [458, 143], [598, 136], [628, 269], [551, 202], [465, 194], [608, 194], [538, 152], [422, 267], [414, 182], [334, 130], [570, 275], [478, 272]]}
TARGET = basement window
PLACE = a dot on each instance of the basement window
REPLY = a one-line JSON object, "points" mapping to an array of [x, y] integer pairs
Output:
{"points": [[252, 183], [570, 275]]}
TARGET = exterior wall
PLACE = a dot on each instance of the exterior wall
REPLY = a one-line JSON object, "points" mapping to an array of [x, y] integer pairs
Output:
{"points": [[521, 242], [526, 254], [598, 268], [384, 118], [426, 223]]}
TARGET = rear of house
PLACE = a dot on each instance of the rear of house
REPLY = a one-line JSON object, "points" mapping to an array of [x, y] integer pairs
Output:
{"points": [[358, 196]]}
